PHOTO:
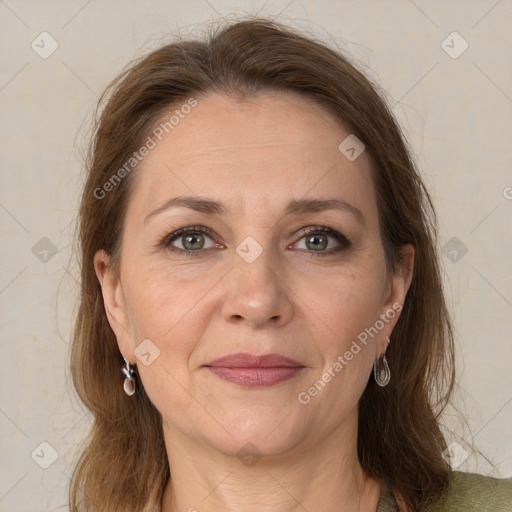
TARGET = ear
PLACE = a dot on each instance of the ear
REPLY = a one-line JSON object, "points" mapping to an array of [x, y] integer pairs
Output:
{"points": [[396, 291], [114, 302]]}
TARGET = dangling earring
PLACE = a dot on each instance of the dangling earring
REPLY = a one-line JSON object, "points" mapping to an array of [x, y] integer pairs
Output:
{"points": [[129, 380], [376, 369]]}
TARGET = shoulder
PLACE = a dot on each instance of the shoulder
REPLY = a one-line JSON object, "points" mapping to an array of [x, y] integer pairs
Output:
{"points": [[470, 492]]}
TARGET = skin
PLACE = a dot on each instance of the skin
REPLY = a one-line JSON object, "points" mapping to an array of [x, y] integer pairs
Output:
{"points": [[255, 156]]}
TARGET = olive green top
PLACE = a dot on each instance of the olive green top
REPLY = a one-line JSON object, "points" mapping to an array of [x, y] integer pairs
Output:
{"points": [[467, 492]]}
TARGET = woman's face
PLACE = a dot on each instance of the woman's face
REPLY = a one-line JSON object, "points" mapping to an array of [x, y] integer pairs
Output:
{"points": [[261, 265]]}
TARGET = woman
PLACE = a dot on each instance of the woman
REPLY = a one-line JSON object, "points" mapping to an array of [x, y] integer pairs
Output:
{"points": [[259, 257]]}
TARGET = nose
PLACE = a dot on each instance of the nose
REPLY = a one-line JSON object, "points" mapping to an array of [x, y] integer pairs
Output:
{"points": [[257, 294]]}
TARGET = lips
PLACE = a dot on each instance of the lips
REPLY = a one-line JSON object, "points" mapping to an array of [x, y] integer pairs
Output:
{"points": [[255, 371], [242, 360]]}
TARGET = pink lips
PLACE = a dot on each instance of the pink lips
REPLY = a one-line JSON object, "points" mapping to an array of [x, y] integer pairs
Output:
{"points": [[252, 370]]}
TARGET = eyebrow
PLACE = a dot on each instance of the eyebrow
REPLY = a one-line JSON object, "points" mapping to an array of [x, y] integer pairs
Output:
{"points": [[296, 207]]}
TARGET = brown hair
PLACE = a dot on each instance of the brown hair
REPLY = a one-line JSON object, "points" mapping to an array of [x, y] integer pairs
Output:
{"points": [[124, 465]]}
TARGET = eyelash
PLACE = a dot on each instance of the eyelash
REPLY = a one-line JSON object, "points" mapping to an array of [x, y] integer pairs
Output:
{"points": [[167, 241]]}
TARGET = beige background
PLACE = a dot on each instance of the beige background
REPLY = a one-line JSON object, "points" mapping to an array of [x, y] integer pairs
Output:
{"points": [[456, 113]]}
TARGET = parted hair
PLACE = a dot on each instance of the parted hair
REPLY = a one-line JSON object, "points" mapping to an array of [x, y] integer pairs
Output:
{"points": [[123, 466]]}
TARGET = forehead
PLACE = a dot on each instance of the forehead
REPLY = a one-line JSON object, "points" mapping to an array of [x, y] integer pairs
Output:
{"points": [[257, 152]]}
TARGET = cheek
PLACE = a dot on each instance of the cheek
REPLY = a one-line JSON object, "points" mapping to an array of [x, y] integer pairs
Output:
{"points": [[349, 309], [348, 306], [171, 313], [167, 307], [346, 303]]}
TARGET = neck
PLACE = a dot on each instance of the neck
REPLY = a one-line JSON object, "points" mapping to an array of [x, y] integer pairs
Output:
{"points": [[322, 476]]}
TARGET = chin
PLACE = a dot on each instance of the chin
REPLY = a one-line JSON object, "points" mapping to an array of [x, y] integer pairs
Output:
{"points": [[262, 432]]}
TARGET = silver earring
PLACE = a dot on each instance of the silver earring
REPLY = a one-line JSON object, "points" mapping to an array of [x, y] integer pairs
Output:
{"points": [[129, 380], [377, 371]]}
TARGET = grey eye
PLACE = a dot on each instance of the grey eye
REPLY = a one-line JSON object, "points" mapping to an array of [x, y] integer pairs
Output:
{"points": [[192, 241]]}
